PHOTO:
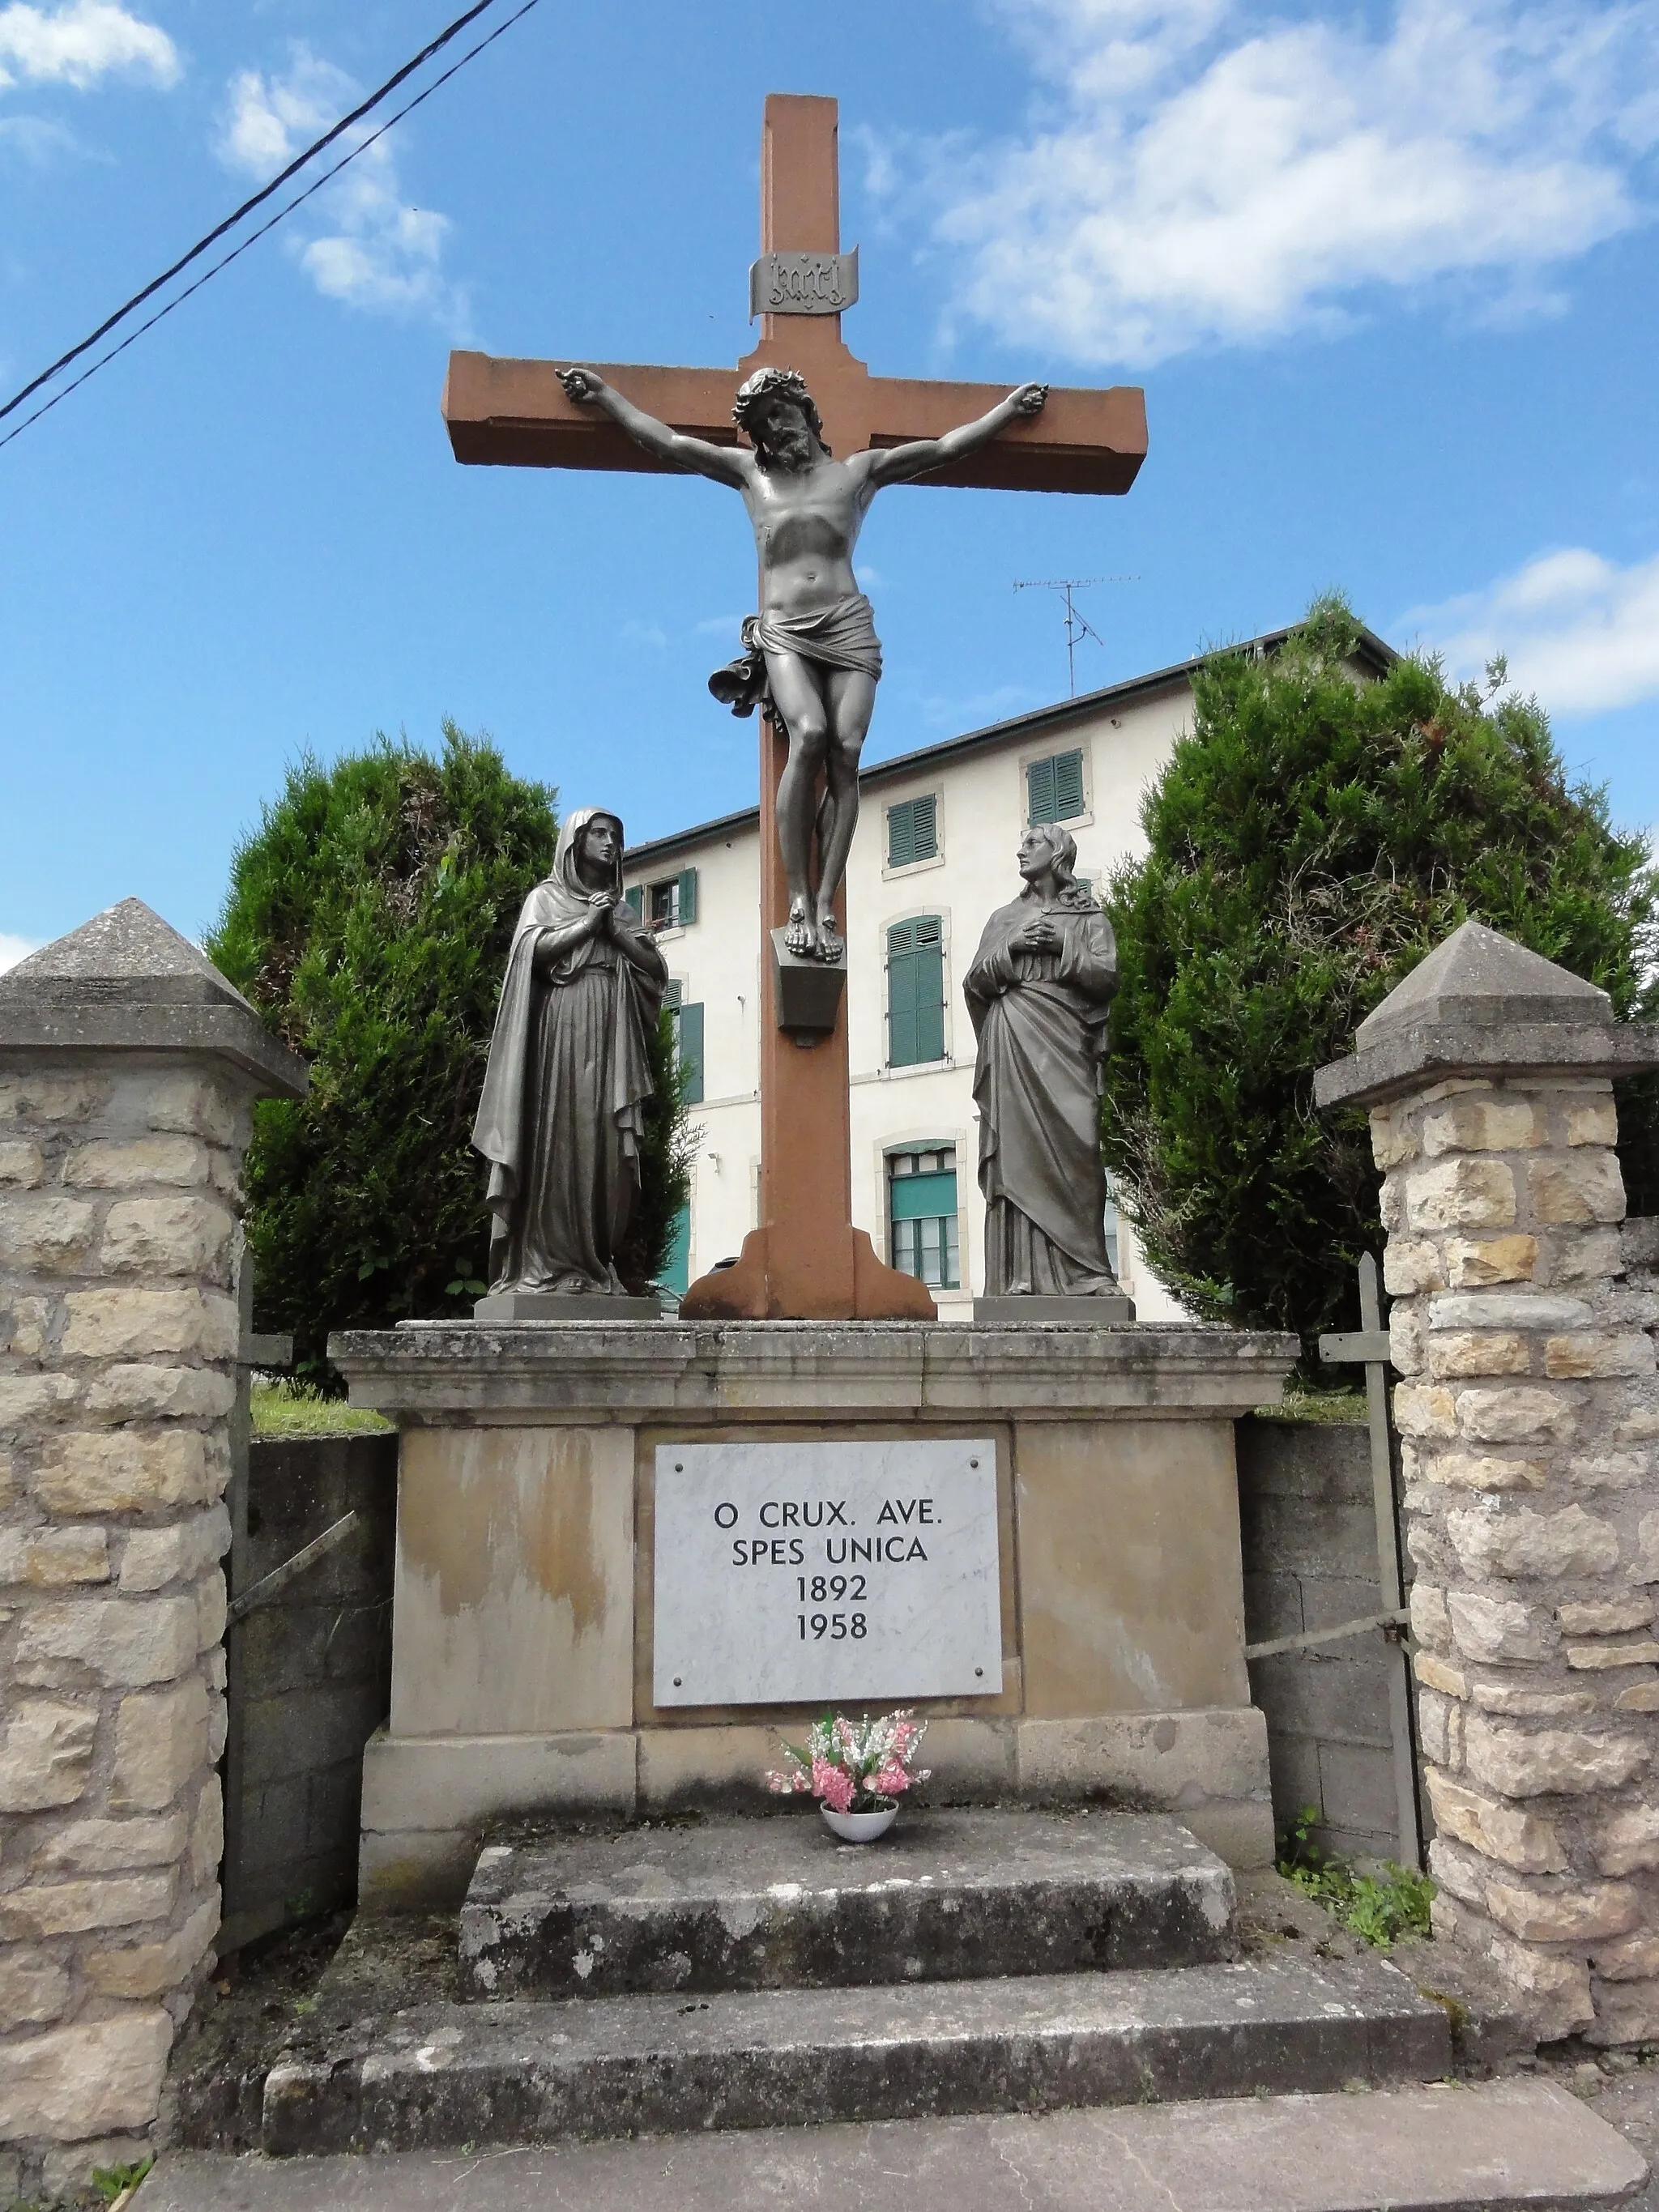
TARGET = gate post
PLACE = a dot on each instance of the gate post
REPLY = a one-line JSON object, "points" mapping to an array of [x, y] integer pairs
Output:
{"points": [[1529, 1414], [128, 1067]]}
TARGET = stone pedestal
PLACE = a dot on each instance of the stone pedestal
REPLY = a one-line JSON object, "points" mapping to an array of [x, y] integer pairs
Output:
{"points": [[523, 1620], [1530, 1413]]}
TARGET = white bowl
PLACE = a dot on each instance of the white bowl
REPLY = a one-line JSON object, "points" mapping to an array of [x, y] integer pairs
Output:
{"points": [[860, 1827]]}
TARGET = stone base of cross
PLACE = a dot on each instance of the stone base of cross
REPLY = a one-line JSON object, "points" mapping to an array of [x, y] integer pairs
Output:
{"points": [[805, 1261]]}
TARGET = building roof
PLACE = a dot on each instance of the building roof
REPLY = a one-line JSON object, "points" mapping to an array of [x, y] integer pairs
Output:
{"points": [[1373, 650]]}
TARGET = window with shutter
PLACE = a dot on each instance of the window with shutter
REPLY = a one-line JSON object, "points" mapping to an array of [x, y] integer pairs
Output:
{"points": [[635, 896], [1053, 788], [913, 830], [922, 1212], [915, 992], [688, 897]]}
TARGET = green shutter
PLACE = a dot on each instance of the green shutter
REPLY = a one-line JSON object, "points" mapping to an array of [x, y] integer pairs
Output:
{"points": [[635, 897], [677, 1267], [689, 1027], [913, 830], [688, 898], [1053, 788], [923, 1197], [1068, 785], [915, 992]]}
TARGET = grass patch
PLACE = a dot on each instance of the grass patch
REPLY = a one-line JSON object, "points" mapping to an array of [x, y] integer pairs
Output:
{"points": [[1379, 1909], [288, 1409], [1316, 1405]]}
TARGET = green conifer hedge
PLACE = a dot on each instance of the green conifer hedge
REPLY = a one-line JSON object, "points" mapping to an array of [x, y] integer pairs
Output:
{"points": [[1315, 836], [368, 919]]}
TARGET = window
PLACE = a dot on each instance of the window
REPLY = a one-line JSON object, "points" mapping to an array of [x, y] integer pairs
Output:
{"points": [[913, 830], [1053, 788], [688, 1041], [921, 1209], [915, 992], [671, 904]]}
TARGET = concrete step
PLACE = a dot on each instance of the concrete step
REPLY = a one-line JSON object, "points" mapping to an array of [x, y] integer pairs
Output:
{"points": [[518, 2072], [1453, 2149], [778, 1902]]}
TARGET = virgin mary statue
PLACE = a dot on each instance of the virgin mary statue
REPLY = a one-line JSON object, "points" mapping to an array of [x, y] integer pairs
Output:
{"points": [[1038, 991], [565, 1091]]}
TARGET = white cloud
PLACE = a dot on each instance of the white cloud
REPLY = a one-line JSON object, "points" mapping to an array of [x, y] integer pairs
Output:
{"points": [[14, 948], [1199, 171], [1576, 629], [376, 250], [77, 43]]}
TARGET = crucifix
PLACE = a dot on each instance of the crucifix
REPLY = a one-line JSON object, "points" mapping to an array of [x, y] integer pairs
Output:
{"points": [[805, 1261]]}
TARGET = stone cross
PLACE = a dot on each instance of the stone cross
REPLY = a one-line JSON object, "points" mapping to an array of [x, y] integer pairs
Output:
{"points": [[805, 1261], [1528, 1412]]}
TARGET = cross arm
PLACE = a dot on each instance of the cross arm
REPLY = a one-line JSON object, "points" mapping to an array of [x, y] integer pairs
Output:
{"points": [[514, 413], [1082, 440]]}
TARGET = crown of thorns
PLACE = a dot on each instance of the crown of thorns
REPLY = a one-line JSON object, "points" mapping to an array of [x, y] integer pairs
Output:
{"points": [[776, 383]]}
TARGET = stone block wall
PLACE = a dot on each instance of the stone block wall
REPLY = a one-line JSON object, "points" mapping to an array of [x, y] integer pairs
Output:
{"points": [[1310, 1543], [118, 1198], [1529, 1415]]}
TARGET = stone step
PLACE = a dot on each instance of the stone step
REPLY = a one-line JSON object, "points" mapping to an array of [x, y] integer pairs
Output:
{"points": [[778, 1902], [518, 2072], [1451, 2149]]}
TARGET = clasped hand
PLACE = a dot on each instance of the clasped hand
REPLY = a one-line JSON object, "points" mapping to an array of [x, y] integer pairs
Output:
{"points": [[1037, 935]]}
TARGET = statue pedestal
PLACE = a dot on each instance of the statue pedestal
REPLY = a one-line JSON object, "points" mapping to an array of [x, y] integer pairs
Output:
{"points": [[1037, 1312], [563, 1305], [523, 1628]]}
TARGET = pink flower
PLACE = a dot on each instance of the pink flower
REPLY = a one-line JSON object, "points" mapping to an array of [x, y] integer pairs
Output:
{"points": [[782, 1784], [889, 1781], [833, 1784]]}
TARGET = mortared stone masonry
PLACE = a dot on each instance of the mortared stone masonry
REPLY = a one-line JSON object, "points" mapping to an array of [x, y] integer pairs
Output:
{"points": [[1528, 1407], [128, 1067]]}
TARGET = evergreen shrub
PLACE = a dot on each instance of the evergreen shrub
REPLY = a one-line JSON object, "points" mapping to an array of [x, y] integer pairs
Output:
{"points": [[368, 919], [1313, 838]]}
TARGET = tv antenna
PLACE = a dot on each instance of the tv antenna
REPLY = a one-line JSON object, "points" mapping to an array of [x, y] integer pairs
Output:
{"points": [[1078, 625]]}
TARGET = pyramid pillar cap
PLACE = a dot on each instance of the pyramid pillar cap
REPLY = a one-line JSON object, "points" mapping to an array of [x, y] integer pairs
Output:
{"points": [[1481, 1004], [127, 982]]}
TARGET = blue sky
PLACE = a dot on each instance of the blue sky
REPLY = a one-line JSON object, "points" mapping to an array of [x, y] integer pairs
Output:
{"points": [[1386, 272]]}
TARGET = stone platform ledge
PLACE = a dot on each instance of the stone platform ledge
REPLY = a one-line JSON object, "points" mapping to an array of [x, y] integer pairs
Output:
{"points": [[430, 1802], [600, 1372]]}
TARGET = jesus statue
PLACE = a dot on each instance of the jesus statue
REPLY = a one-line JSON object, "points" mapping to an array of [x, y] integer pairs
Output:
{"points": [[813, 656]]}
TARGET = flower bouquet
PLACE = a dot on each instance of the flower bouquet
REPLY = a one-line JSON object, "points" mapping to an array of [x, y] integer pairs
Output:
{"points": [[857, 1770]]}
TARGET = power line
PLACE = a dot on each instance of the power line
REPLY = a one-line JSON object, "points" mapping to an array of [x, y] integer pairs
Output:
{"points": [[230, 222]]}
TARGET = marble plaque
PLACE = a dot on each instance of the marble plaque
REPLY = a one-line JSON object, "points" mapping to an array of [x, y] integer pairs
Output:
{"points": [[826, 1573]]}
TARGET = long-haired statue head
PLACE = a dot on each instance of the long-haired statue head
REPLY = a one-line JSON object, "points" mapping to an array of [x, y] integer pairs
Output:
{"points": [[763, 409]]}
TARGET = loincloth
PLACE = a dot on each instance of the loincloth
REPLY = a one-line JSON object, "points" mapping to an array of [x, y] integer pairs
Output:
{"points": [[841, 636]]}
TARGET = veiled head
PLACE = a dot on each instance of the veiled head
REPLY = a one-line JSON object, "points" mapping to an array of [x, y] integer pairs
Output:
{"points": [[778, 416], [590, 851]]}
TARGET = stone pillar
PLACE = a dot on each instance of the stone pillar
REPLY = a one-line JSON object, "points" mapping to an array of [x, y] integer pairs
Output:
{"points": [[128, 1065], [1529, 1414]]}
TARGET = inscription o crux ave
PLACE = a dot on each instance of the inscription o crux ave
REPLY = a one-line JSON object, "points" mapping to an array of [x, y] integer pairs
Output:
{"points": [[817, 1573]]}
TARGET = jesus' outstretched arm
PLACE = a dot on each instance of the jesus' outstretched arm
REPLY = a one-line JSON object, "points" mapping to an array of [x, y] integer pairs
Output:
{"points": [[899, 463], [726, 463]]}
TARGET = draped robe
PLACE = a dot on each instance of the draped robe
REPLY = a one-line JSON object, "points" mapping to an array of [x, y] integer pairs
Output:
{"points": [[563, 1103], [1040, 1021]]}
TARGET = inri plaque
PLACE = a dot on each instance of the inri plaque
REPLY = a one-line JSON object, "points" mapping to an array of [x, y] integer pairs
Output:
{"points": [[824, 1573]]}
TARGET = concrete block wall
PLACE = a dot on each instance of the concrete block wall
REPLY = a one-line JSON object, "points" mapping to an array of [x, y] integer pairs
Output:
{"points": [[1529, 1410], [310, 1677], [1309, 1546], [119, 1192]]}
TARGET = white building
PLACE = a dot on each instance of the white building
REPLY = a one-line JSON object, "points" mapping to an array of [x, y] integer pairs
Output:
{"points": [[933, 857]]}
